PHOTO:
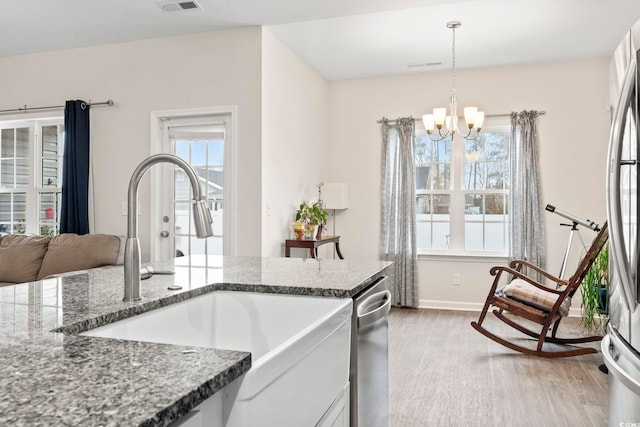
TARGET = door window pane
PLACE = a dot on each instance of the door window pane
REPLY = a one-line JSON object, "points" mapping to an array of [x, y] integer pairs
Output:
{"points": [[207, 158], [198, 153]]}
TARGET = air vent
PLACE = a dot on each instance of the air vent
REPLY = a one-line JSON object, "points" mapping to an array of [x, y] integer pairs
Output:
{"points": [[178, 6]]}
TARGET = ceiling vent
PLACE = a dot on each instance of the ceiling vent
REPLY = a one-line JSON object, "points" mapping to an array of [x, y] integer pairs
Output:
{"points": [[178, 6]]}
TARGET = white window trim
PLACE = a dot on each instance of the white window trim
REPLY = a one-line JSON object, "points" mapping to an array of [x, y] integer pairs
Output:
{"points": [[481, 257]]}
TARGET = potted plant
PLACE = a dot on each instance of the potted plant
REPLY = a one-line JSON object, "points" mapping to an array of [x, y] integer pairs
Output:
{"points": [[595, 293], [313, 216]]}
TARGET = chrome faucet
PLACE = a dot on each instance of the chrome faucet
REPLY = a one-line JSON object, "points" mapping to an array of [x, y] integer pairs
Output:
{"points": [[201, 218]]}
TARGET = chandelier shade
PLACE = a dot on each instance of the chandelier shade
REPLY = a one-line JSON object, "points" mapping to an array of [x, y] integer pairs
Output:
{"points": [[442, 123]]}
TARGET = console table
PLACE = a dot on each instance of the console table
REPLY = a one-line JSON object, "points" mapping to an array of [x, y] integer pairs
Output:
{"points": [[312, 245]]}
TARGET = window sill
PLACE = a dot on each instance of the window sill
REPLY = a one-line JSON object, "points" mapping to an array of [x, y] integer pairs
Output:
{"points": [[466, 257]]}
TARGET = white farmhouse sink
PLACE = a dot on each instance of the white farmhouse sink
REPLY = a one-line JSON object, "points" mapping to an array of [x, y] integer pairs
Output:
{"points": [[299, 347]]}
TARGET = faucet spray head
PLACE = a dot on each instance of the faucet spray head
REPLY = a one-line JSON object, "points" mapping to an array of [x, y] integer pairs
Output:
{"points": [[202, 219]]}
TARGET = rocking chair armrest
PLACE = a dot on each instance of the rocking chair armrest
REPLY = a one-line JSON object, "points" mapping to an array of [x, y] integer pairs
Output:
{"points": [[498, 270], [518, 264]]}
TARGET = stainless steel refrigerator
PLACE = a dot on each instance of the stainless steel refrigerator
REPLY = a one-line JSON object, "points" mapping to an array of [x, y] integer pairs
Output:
{"points": [[621, 345]]}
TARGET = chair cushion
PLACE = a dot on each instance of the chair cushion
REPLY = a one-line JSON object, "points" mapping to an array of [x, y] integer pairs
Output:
{"points": [[525, 292], [71, 252], [21, 257]]}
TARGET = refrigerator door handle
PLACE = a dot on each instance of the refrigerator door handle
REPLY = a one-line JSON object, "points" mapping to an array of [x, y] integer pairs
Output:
{"points": [[607, 345], [614, 211]]}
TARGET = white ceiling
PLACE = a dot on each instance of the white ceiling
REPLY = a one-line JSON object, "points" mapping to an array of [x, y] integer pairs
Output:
{"points": [[343, 38]]}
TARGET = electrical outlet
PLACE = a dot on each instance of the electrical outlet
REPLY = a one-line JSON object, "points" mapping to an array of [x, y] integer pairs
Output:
{"points": [[123, 209], [456, 278]]}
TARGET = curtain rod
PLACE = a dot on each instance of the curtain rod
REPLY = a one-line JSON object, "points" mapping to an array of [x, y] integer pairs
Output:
{"points": [[24, 109], [542, 113], [486, 115]]}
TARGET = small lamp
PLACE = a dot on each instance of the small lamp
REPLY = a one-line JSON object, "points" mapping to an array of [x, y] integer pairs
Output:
{"points": [[335, 196]]}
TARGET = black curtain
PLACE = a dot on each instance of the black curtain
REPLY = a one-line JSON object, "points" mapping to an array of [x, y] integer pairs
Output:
{"points": [[74, 211]]}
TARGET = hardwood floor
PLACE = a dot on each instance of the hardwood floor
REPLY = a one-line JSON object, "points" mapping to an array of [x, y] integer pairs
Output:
{"points": [[444, 373]]}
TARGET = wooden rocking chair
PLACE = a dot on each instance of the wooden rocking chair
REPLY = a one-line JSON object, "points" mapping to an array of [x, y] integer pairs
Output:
{"points": [[524, 297]]}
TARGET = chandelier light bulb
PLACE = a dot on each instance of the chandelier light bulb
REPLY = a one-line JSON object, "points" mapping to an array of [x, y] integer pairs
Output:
{"points": [[429, 123], [470, 116], [479, 121], [439, 115]]}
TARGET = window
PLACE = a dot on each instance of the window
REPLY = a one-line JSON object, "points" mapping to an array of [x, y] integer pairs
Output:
{"points": [[462, 190], [203, 146], [30, 176]]}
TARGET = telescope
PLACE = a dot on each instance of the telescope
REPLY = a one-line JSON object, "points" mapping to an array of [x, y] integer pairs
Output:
{"points": [[585, 222], [574, 227]]}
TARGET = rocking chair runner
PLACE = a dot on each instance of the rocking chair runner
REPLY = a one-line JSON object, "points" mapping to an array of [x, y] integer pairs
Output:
{"points": [[528, 299]]}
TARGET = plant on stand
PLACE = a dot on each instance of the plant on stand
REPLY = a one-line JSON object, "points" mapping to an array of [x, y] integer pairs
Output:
{"points": [[313, 217], [595, 293]]}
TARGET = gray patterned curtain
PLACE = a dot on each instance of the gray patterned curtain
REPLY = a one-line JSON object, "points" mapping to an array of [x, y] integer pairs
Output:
{"points": [[527, 224], [398, 199]]}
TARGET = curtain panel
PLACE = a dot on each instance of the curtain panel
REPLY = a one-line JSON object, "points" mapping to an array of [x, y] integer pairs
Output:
{"points": [[74, 209], [526, 219], [398, 219]]}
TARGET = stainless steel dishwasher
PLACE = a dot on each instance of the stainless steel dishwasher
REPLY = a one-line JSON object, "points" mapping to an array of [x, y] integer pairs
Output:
{"points": [[369, 373]]}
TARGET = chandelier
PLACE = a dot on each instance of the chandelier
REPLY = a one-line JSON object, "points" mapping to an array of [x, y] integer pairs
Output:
{"points": [[447, 125]]}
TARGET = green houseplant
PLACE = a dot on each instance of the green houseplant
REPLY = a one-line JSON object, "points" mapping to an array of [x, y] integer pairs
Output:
{"points": [[595, 293], [313, 216]]}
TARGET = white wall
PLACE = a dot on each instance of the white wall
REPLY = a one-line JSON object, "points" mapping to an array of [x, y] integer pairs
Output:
{"points": [[295, 131], [203, 70], [573, 143]]}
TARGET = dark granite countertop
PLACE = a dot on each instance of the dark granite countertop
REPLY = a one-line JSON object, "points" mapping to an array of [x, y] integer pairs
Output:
{"points": [[51, 376]]}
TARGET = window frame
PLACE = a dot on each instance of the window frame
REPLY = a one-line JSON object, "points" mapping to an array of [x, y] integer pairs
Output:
{"points": [[35, 188], [456, 240]]}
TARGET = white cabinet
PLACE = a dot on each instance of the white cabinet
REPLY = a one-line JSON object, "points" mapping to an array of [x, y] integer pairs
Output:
{"points": [[206, 414], [338, 413]]}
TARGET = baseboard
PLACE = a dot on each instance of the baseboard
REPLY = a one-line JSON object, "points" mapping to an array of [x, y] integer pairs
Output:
{"points": [[472, 306], [450, 305], [575, 312]]}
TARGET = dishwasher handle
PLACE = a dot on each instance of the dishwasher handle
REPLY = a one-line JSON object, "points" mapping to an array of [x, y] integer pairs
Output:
{"points": [[373, 308]]}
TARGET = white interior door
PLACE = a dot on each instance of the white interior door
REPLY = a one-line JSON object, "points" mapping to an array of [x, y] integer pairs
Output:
{"points": [[201, 141]]}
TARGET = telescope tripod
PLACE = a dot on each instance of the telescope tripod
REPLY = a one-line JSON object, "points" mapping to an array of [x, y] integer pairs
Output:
{"points": [[574, 228]]}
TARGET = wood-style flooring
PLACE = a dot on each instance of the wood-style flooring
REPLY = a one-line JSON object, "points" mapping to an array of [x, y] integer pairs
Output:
{"points": [[444, 373]]}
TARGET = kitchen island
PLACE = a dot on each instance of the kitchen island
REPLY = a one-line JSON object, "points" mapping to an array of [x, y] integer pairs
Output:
{"points": [[52, 376]]}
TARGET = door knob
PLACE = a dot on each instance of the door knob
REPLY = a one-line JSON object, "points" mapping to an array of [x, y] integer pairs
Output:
{"points": [[164, 233]]}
